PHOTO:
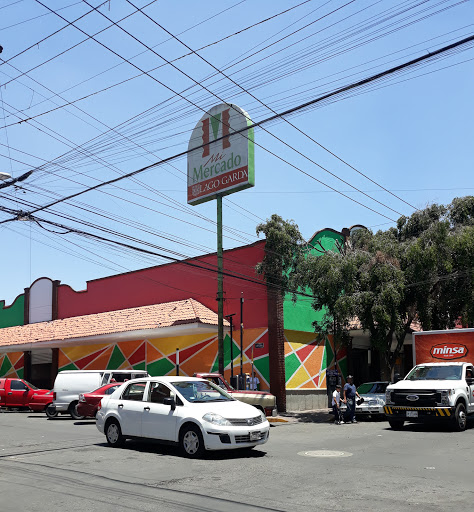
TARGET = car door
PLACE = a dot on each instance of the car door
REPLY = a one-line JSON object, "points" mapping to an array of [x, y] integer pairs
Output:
{"points": [[18, 394], [130, 408], [158, 420], [470, 387]]}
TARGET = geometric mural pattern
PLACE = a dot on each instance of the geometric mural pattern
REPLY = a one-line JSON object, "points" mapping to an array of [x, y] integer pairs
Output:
{"points": [[306, 360], [12, 365], [197, 353]]}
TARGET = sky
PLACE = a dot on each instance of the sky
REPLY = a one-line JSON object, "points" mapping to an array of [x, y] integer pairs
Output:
{"points": [[79, 110]]}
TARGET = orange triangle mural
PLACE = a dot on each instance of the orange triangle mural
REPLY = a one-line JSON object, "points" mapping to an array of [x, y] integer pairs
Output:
{"points": [[152, 353], [200, 362], [101, 362], [129, 347]]}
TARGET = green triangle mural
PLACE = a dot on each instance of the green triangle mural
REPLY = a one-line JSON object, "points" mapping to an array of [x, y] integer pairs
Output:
{"points": [[292, 363], [6, 366], [20, 373], [263, 366], [70, 366], [139, 366], [235, 351], [160, 367], [329, 353], [116, 359]]}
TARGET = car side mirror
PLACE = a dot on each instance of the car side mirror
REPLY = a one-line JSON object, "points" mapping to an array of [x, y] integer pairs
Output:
{"points": [[396, 378], [470, 381], [171, 402]]}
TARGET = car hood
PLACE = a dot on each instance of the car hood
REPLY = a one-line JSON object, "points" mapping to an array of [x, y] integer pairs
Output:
{"points": [[40, 391], [424, 384], [232, 409]]}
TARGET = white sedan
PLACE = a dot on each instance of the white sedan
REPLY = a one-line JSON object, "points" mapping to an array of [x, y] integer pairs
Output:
{"points": [[191, 412]]}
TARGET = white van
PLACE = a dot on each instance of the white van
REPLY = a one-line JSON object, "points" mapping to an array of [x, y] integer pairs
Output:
{"points": [[70, 383]]}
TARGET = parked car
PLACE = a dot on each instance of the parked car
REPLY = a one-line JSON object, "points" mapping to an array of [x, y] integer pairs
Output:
{"points": [[39, 402], [373, 395], [17, 392], [193, 413], [70, 383], [89, 402], [262, 400]]}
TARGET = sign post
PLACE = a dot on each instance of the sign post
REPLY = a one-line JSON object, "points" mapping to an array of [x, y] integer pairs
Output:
{"points": [[220, 162]]}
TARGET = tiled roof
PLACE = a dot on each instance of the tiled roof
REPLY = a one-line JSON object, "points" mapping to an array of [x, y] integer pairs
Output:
{"points": [[155, 316]]}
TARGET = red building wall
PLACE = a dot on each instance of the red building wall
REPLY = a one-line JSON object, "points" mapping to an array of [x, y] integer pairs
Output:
{"points": [[177, 281]]}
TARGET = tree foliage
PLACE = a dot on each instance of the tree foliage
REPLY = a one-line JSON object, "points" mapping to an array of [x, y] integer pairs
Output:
{"points": [[421, 270]]}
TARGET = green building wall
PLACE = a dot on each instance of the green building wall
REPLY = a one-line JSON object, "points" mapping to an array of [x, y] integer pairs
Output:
{"points": [[14, 314]]}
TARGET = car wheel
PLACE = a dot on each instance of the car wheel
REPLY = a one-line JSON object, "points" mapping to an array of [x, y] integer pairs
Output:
{"points": [[396, 424], [460, 418], [51, 412], [73, 412], [113, 433], [191, 441]]}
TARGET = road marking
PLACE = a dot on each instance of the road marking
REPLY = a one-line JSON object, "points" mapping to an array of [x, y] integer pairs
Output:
{"points": [[324, 453]]}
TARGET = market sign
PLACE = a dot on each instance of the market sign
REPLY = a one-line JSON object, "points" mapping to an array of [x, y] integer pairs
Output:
{"points": [[220, 161]]}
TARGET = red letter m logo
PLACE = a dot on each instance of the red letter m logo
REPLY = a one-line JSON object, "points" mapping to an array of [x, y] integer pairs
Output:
{"points": [[215, 121]]}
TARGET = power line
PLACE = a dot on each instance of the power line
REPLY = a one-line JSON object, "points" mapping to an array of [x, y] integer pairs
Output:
{"points": [[283, 118], [350, 87]]}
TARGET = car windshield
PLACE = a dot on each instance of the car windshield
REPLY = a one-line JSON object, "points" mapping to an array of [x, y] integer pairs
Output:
{"points": [[29, 384], [372, 387], [450, 372], [201, 391]]}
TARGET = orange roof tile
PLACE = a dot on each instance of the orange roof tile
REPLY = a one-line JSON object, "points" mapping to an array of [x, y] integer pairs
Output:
{"points": [[155, 316]]}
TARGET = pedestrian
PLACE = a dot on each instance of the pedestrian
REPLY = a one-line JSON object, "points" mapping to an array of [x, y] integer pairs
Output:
{"points": [[254, 382], [336, 404], [350, 393]]}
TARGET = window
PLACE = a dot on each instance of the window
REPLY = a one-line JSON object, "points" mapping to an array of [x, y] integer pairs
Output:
{"points": [[134, 391], [121, 377], [158, 392], [18, 385], [105, 378], [110, 390]]}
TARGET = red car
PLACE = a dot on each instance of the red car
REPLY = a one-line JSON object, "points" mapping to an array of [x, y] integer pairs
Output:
{"points": [[89, 402], [38, 403]]}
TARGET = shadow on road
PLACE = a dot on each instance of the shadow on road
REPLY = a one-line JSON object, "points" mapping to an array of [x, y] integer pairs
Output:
{"points": [[157, 448]]}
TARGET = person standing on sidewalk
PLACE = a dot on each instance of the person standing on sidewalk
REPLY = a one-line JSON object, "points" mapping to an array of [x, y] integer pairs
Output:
{"points": [[336, 404], [350, 393]]}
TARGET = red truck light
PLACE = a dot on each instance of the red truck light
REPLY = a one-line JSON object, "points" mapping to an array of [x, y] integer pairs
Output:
{"points": [[54, 396]]}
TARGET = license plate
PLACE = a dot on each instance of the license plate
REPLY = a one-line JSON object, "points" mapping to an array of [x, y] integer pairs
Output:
{"points": [[254, 436], [412, 414]]}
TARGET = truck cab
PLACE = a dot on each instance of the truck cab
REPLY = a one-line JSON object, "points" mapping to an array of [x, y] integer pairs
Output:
{"points": [[17, 392], [432, 392]]}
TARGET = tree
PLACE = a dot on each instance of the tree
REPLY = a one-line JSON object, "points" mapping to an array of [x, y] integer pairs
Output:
{"points": [[422, 270]]}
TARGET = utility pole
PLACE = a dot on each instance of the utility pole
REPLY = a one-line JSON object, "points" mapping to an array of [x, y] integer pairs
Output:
{"points": [[231, 321], [241, 340], [220, 289]]}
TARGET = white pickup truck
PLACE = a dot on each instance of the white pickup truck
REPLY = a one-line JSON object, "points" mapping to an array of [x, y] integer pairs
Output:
{"points": [[432, 392]]}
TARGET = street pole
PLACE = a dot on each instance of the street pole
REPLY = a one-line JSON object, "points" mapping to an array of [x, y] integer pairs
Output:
{"points": [[231, 321], [220, 289], [241, 340]]}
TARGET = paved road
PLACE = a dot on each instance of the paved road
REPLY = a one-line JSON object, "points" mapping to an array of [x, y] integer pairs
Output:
{"points": [[63, 465]]}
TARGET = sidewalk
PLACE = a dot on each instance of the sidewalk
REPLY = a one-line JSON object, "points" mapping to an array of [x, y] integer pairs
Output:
{"points": [[315, 416]]}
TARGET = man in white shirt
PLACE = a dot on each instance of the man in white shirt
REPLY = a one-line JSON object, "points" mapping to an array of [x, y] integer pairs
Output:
{"points": [[253, 382], [336, 403]]}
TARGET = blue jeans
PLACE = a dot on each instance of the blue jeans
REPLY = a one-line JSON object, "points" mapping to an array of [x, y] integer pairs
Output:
{"points": [[350, 412]]}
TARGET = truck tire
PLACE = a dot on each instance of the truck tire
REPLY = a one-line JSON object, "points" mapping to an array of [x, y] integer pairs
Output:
{"points": [[50, 412], [459, 418], [396, 424]]}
